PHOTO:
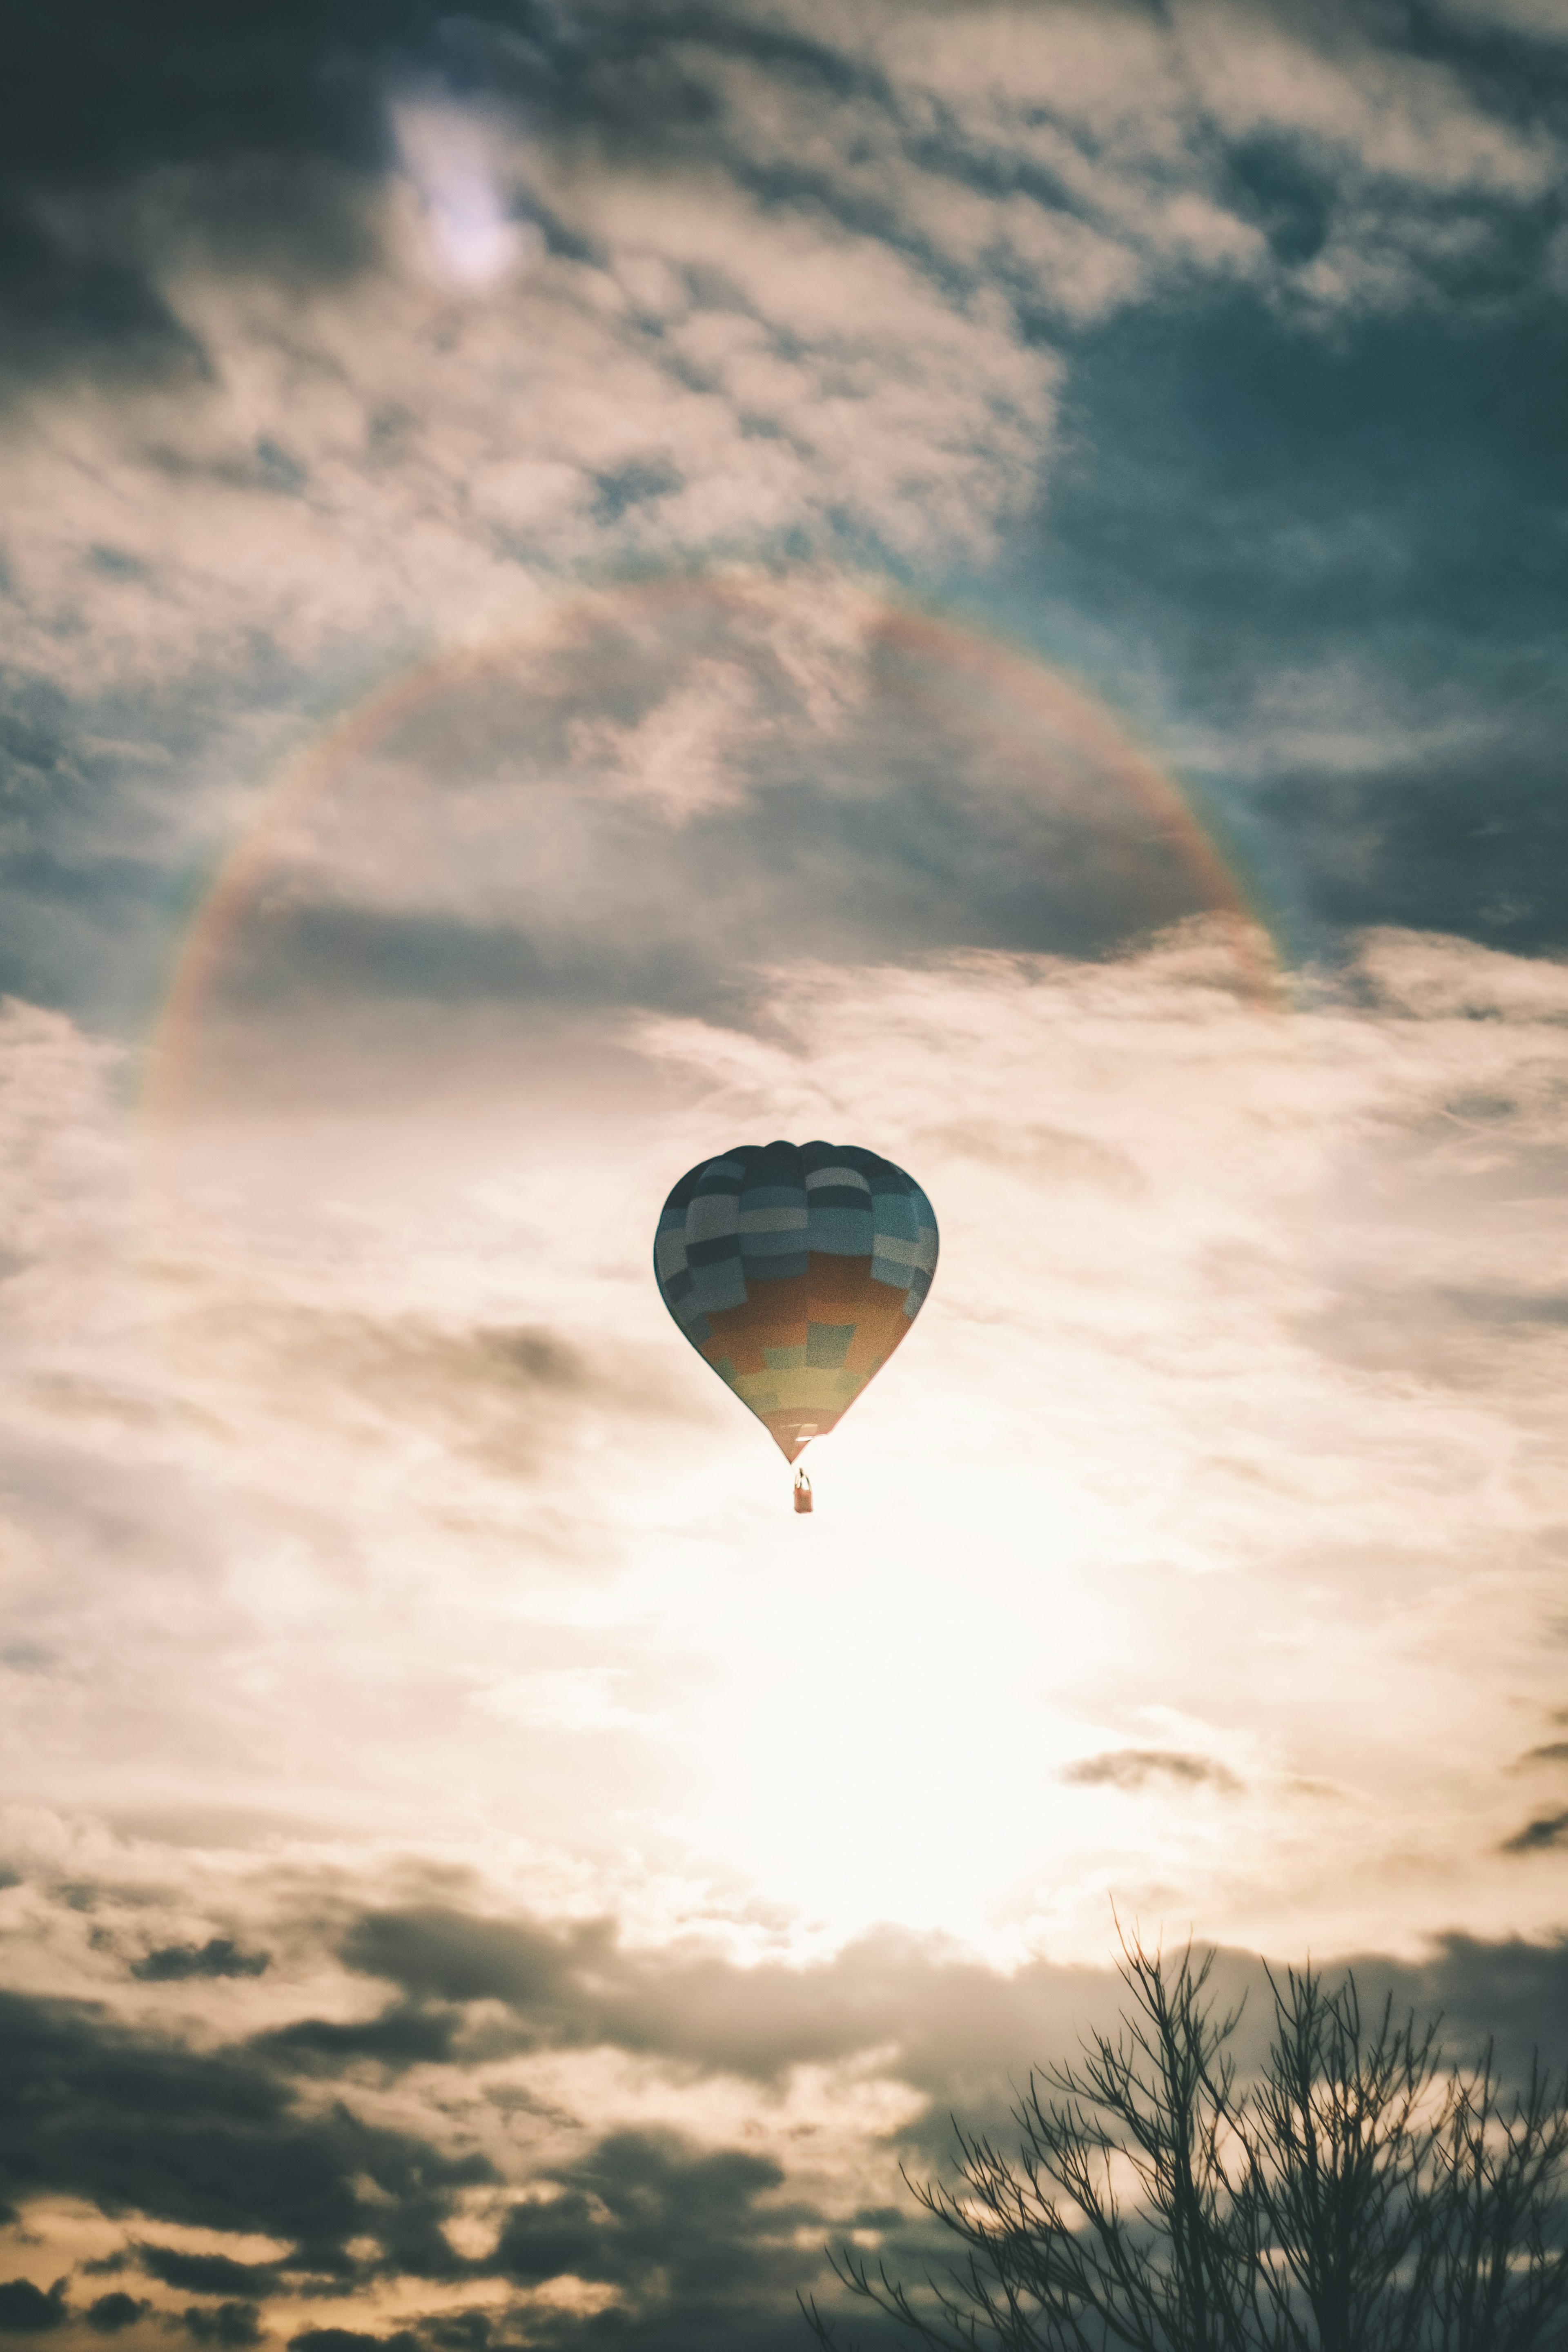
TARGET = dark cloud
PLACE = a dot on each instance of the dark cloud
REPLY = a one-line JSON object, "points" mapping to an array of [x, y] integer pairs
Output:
{"points": [[206, 2274], [696, 2235], [113, 2312], [263, 131], [578, 1987], [404, 2035], [1131, 1768], [230, 2325], [61, 308], [90, 95], [1540, 1836], [26, 1657], [1513, 1994], [959, 2031], [693, 2238], [218, 1957], [701, 2246], [350, 2340], [461, 2331], [27, 2310], [256, 137], [1454, 840], [1253, 514], [453, 1957], [127, 2121]]}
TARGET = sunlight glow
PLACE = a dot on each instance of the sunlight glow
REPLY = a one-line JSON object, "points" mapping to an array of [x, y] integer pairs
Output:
{"points": [[449, 156]]}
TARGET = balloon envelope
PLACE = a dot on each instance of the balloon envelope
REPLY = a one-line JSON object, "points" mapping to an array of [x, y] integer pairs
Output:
{"points": [[794, 1270]]}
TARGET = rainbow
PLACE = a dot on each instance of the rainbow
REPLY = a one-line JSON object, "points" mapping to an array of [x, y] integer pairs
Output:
{"points": [[929, 642]]}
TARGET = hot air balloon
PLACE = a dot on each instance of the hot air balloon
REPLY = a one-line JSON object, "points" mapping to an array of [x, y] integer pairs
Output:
{"points": [[794, 1270]]}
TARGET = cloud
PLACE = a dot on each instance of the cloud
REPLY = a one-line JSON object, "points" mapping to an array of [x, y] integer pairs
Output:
{"points": [[142, 2125], [347, 2339], [1267, 1385], [402, 2036], [809, 389], [669, 2131], [1505, 1993], [25, 2311], [110, 2314], [807, 302], [1537, 20], [206, 2274], [1539, 1836], [676, 2232], [63, 1166], [585, 1987], [652, 792], [501, 1396], [825, 301], [230, 2324], [642, 2203], [1133, 1768], [218, 1957], [479, 1872], [539, 2180], [577, 1986]]}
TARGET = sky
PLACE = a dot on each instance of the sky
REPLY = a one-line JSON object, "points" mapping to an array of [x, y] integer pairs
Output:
{"points": [[587, 583]]}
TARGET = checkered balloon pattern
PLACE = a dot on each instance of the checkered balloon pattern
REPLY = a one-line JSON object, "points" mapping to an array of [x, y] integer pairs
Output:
{"points": [[795, 1269]]}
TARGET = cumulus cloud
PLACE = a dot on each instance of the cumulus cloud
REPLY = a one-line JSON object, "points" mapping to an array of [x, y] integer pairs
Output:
{"points": [[793, 305], [809, 387], [386, 2224], [149, 2127], [25, 2311], [825, 297], [669, 2132], [112, 2314]]}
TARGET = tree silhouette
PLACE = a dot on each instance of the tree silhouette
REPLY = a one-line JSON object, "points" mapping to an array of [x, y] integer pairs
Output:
{"points": [[1358, 2195]]}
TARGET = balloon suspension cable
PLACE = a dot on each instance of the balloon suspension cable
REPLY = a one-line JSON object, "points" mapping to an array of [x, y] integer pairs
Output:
{"points": [[802, 1490]]}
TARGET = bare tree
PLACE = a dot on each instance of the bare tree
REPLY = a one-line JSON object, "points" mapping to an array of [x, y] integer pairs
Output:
{"points": [[1358, 2195], [1342, 2131], [1496, 2268]]}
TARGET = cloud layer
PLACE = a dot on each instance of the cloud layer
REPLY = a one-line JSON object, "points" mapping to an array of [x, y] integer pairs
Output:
{"points": [[752, 286], [477, 1870], [485, 2151]]}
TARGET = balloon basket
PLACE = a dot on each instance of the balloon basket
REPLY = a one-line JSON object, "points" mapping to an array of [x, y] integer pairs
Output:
{"points": [[802, 1491]]}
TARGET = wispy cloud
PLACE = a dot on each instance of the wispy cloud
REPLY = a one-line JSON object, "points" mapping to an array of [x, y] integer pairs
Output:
{"points": [[1133, 1767], [1196, 1402]]}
